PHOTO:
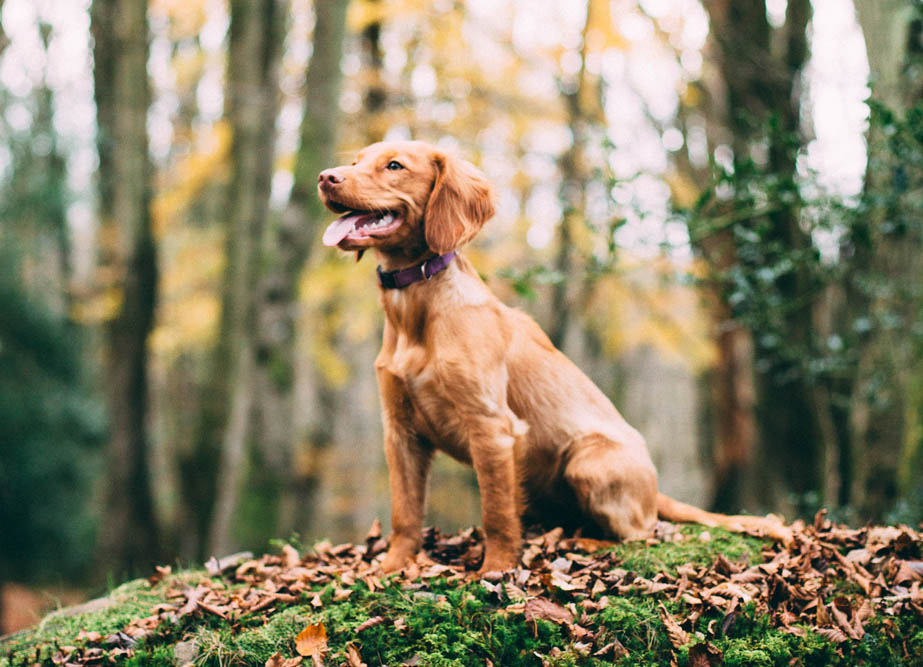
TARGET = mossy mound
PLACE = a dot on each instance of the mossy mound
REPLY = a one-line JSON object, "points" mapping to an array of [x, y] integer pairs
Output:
{"points": [[691, 596]]}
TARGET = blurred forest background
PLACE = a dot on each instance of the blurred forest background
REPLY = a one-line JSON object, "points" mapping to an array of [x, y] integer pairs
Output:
{"points": [[714, 207]]}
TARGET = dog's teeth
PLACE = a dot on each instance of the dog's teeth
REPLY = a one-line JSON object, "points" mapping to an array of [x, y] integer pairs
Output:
{"points": [[387, 219]]}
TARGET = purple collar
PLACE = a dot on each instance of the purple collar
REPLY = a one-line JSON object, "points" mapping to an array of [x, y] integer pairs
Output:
{"points": [[422, 271]]}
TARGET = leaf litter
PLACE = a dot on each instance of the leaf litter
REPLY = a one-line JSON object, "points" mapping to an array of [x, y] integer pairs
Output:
{"points": [[798, 587]]}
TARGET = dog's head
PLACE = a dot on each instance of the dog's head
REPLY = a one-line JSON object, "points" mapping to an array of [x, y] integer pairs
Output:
{"points": [[405, 197]]}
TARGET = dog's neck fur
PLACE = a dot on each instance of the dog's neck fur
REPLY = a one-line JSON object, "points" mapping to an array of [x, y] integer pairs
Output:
{"points": [[408, 309], [396, 260]]}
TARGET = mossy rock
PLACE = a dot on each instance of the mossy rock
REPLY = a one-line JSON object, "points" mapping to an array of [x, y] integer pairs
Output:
{"points": [[454, 620]]}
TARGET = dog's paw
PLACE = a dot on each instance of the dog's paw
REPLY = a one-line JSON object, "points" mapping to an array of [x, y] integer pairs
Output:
{"points": [[493, 568], [394, 561]]}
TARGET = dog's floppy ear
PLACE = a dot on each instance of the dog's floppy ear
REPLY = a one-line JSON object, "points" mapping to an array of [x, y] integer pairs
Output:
{"points": [[461, 202]]}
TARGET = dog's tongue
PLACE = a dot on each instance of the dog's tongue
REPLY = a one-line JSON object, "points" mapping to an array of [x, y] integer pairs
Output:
{"points": [[339, 228]]}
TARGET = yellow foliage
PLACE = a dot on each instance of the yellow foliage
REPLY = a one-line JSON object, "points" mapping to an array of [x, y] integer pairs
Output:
{"points": [[601, 31], [642, 304], [363, 13], [187, 68], [197, 259], [340, 305], [690, 96], [186, 16], [186, 180], [99, 308], [683, 189], [191, 321]]}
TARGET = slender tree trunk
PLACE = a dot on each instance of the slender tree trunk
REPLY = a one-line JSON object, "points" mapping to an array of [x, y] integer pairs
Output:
{"points": [[129, 539], [288, 243], [760, 85], [791, 439], [254, 47], [582, 104], [375, 98], [889, 255], [4, 42], [730, 406]]}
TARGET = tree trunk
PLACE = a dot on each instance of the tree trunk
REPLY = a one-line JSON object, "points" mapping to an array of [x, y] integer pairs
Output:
{"points": [[889, 256], [254, 47], [761, 103], [375, 98], [129, 539], [791, 442], [289, 241], [583, 109]]}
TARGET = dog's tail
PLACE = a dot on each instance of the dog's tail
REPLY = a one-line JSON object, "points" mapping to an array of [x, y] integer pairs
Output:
{"points": [[770, 526]]}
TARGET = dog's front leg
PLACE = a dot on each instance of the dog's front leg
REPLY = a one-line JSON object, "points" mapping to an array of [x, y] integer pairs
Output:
{"points": [[408, 469], [493, 447]]}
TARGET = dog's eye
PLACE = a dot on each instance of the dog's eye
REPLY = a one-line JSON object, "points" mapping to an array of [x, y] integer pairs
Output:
{"points": [[394, 165]]}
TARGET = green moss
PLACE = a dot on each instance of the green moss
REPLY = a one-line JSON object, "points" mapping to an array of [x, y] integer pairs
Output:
{"points": [[640, 557], [463, 623], [158, 656], [276, 636], [107, 615]]}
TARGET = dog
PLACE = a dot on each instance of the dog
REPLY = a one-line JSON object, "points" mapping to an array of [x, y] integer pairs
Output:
{"points": [[461, 372]]}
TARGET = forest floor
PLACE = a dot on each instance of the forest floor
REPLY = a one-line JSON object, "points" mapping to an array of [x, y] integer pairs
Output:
{"points": [[688, 596]]}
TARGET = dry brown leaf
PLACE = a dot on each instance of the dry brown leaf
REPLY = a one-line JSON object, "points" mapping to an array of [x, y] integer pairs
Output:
{"points": [[353, 659], [705, 654], [675, 633], [544, 609], [312, 641], [614, 650], [840, 609], [276, 660], [909, 571], [91, 636], [374, 531], [160, 572], [342, 594], [290, 554], [833, 634], [370, 623]]}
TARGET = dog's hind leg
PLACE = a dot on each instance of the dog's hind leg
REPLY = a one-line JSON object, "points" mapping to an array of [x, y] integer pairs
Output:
{"points": [[614, 487]]}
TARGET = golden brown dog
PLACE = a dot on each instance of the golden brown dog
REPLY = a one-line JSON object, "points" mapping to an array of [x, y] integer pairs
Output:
{"points": [[461, 372]]}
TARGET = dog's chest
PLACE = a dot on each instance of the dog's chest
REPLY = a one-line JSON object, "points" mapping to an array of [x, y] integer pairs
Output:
{"points": [[433, 414]]}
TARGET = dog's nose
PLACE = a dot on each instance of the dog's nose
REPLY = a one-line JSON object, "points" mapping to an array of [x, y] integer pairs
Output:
{"points": [[328, 178]]}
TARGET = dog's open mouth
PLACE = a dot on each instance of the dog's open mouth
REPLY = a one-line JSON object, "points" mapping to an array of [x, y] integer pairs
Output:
{"points": [[358, 225]]}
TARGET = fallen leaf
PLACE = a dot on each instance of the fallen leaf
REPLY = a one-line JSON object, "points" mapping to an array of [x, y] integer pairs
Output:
{"points": [[370, 623], [548, 611], [353, 659], [909, 571], [89, 636], [677, 636], [312, 641], [290, 554], [614, 650], [705, 654], [833, 634], [160, 572], [374, 532], [276, 660]]}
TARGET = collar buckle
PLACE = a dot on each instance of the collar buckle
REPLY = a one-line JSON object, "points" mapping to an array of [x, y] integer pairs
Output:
{"points": [[425, 270]]}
